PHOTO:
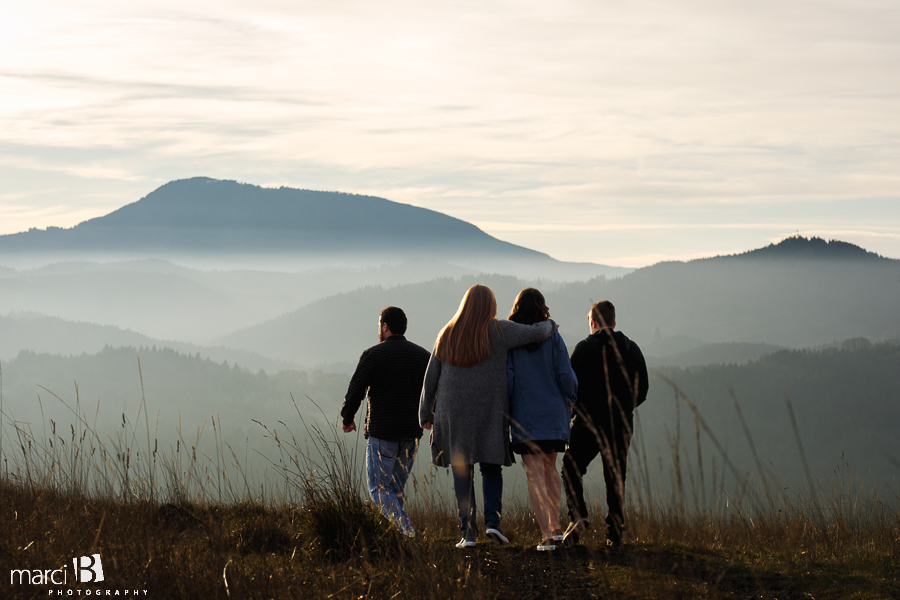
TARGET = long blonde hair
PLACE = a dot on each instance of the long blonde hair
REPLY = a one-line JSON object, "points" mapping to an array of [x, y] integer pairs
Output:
{"points": [[466, 340]]}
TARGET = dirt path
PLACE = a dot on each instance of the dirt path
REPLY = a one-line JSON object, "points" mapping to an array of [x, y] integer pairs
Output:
{"points": [[637, 571], [525, 573]]}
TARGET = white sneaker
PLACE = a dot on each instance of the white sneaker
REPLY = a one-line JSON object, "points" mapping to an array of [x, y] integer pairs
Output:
{"points": [[465, 543], [496, 535]]}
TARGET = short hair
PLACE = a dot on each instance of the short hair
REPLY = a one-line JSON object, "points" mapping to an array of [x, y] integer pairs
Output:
{"points": [[603, 313], [395, 319]]}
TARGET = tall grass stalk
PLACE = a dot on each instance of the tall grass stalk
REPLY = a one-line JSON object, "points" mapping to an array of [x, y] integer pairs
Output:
{"points": [[304, 526]]}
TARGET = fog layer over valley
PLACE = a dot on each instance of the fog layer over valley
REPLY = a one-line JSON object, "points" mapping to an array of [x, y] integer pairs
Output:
{"points": [[844, 399], [242, 305], [22, 331], [746, 305], [165, 301]]}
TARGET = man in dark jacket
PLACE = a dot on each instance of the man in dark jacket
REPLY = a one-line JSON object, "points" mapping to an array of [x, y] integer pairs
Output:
{"points": [[612, 381], [391, 372]]}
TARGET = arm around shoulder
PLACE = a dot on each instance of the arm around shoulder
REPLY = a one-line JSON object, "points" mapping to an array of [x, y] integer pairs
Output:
{"points": [[516, 334]]}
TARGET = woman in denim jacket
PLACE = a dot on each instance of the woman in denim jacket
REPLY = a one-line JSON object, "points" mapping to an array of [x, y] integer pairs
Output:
{"points": [[541, 386]]}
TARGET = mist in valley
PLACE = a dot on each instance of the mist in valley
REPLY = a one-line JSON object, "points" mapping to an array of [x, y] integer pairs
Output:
{"points": [[189, 349]]}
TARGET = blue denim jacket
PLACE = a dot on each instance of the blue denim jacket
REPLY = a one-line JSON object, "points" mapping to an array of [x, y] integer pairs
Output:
{"points": [[542, 387]]}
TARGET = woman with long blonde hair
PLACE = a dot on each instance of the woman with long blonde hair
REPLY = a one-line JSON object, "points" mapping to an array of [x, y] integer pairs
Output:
{"points": [[464, 398]]}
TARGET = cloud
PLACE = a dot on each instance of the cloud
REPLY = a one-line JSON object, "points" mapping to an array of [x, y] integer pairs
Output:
{"points": [[514, 115]]}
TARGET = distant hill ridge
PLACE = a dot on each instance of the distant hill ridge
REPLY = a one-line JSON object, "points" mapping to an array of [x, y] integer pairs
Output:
{"points": [[226, 224], [799, 247], [797, 293], [206, 214]]}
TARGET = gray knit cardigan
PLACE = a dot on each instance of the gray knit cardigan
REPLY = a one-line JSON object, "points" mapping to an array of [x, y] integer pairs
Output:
{"points": [[469, 405]]}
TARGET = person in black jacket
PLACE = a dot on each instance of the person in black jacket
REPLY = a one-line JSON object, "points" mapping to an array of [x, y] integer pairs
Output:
{"points": [[612, 381], [391, 372]]}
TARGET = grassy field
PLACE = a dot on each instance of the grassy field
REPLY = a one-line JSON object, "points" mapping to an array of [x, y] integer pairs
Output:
{"points": [[156, 521], [338, 547]]}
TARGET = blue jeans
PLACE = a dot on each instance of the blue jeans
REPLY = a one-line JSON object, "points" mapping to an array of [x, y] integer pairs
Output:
{"points": [[388, 465], [492, 489]]}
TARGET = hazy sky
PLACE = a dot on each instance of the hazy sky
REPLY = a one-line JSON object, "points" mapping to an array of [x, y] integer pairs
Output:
{"points": [[616, 132]]}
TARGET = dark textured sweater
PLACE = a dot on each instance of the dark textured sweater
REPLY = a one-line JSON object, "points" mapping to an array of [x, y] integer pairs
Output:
{"points": [[612, 376], [392, 373]]}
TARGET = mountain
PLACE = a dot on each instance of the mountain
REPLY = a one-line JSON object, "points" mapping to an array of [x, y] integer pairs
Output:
{"points": [[790, 299], [798, 247], [797, 293], [844, 400], [36, 333], [167, 301], [208, 222], [182, 392], [332, 332], [723, 353]]}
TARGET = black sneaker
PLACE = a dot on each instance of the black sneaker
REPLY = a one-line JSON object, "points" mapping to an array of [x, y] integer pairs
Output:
{"points": [[469, 540]]}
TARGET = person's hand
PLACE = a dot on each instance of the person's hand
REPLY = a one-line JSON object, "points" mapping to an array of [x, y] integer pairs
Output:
{"points": [[427, 424], [350, 427]]}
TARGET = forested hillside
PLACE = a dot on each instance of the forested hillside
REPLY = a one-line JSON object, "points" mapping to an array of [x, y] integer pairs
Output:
{"points": [[180, 390], [795, 299], [40, 334], [846, 401]]}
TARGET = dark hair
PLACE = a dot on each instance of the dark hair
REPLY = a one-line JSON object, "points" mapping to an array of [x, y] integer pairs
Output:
{"points": [[604, 313], [395, 319], [528, 309]]}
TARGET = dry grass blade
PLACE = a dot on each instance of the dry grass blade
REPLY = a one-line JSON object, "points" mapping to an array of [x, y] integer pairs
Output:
{"points": [[309, 530], [806, 470]]}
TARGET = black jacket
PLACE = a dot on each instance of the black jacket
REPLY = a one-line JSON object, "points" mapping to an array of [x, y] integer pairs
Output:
{"points": [[392, 372], [612, 377]]}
